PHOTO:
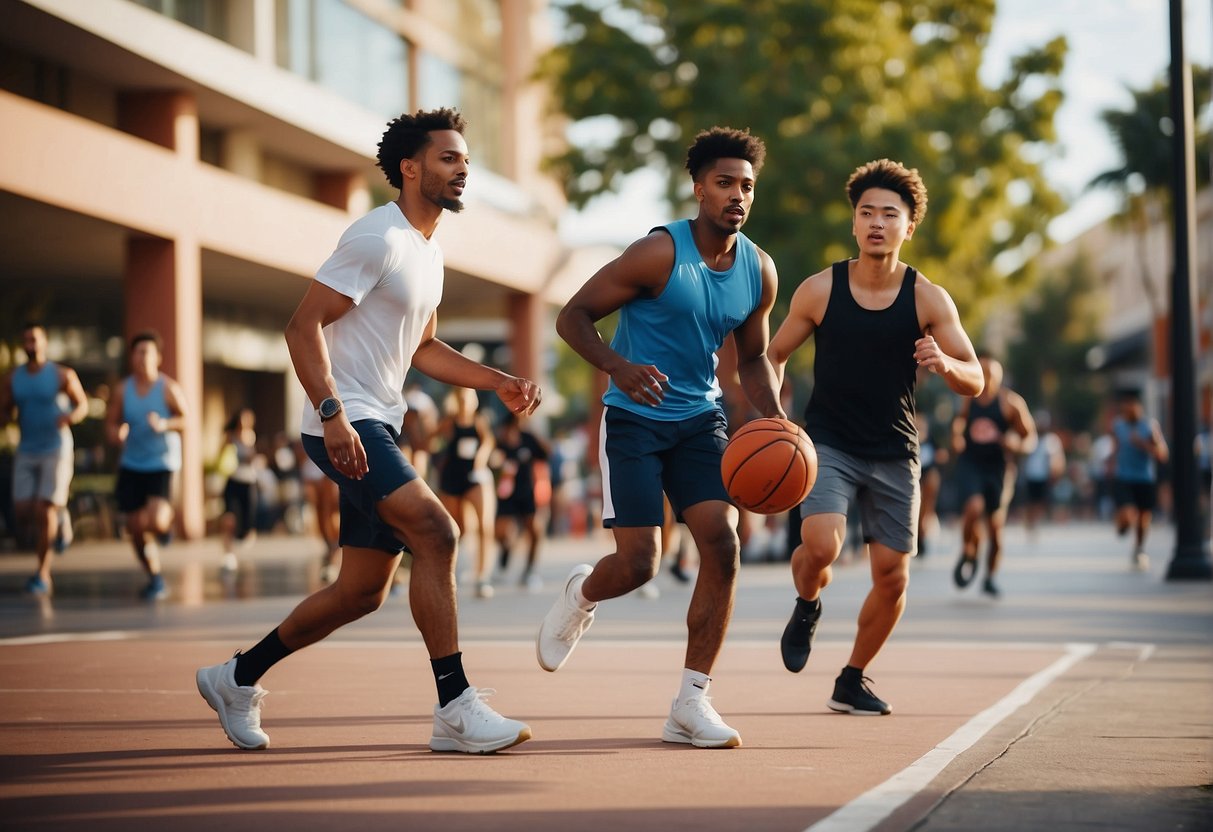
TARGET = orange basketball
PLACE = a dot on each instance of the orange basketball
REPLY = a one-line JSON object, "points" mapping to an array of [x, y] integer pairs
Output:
{"points": [[769, 466]]}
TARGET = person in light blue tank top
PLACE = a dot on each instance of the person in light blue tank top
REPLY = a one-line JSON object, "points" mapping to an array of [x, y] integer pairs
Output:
{"points": [[1137, 446], [43, 465], [680, 292], [146, 416]]}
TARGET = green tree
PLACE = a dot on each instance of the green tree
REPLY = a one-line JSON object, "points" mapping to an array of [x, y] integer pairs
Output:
{"points": [[1142, 133], [828, 84], [1047, 362]]}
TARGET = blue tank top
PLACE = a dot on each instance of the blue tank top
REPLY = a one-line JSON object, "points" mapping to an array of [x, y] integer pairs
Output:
{"points": [[1132, 463], [145, 449], [680, 330], [37, 398]]}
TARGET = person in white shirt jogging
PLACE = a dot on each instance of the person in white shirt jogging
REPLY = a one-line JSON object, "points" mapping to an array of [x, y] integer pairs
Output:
{"points": [[369, 315]]}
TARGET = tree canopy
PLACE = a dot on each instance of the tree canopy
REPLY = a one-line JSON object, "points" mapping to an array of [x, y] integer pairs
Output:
{"points": [[828, 85]]}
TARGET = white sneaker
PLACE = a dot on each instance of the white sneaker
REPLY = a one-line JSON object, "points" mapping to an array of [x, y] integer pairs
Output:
{"points": [[484, 589], [229, 563], [649, 591], [533, 583], [694, 721], [468, 724], [565, 623], [238, 706]]}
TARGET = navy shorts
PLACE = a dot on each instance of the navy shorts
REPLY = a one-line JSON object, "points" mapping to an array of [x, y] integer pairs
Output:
{"points": [[1141, 495], [361, 525], [135, 488], [994, 482], [642, 457]]}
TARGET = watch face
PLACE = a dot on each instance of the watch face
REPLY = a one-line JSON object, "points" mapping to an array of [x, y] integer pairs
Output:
{"points": [[329, 408]]}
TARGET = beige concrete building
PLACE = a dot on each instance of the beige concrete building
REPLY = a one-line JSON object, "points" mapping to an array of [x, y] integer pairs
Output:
{"points": [[185, 165], [1133, 272]]}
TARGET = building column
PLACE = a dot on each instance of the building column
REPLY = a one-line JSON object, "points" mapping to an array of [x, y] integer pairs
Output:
{"points": [[163, 291], [344, 190], [528, 322]]}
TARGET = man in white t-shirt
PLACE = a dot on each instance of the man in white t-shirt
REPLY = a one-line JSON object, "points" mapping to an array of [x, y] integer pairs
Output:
{"points": [[370, 315]]}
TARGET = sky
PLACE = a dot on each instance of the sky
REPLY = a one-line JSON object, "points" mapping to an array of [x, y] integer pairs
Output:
{"points": [[1113, 44]]}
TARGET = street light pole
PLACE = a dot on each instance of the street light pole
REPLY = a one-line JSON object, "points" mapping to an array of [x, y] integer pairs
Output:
{"points": [[1191, 560]]}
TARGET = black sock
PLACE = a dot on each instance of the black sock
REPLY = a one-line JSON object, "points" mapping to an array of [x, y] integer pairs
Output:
{"points": [[251, 666], [851, 675], [809, 609], [448, 675]]}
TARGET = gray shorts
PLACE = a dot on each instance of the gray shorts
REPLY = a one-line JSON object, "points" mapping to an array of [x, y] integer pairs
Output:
{"points": [[45, 477], [886, 491]]}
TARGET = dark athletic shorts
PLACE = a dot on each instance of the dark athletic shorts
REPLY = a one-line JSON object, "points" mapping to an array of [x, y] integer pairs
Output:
{"points": [[642, 457], [361, 525], [1143, 495], [992, 481], [240, 501], [135, 488]]}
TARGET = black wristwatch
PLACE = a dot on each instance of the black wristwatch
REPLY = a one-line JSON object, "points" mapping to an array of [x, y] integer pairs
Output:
{"points": [[329, 408]]}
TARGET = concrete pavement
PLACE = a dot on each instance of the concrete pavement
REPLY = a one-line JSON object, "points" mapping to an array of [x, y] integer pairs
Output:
{"points": [[1105, 720]]}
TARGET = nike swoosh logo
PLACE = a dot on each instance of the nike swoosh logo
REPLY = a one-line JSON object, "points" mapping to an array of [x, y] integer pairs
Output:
{"points": [[457, 724], [446, 676]]}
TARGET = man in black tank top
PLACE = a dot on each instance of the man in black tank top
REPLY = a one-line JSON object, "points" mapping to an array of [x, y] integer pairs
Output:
{"points": [[987, 433], [878, 323]]}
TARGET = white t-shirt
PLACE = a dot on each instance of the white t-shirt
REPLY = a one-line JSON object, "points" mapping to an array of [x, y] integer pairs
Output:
{"points": [[394, 276]]}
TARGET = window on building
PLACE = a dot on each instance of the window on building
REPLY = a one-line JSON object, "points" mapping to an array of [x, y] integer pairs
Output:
{"points": [[208, 16], [342, 49], [476, 96]]}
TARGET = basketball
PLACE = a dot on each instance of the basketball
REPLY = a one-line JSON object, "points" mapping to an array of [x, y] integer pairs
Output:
{"points": [[769, 466]]}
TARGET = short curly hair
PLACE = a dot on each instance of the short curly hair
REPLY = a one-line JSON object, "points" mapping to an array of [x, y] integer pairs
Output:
{"points": [[892, 176], [724, 143], [407, 134]]}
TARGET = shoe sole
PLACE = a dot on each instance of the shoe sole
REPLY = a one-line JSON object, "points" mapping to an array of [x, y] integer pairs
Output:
{"points": [[844, 708], [217, 704], [452, 744], [539, 636], [672, 733]]}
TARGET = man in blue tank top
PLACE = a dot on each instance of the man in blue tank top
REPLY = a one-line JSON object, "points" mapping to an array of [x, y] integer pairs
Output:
{"points": [[680, 291], [43, 464], [989, 432], [876, 322], [1137, 446], [146, 415]]}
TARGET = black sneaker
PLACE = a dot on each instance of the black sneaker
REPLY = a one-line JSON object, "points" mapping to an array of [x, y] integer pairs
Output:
{"points": [[856, 697], [965, 571], [679, 573], [797, 638], [990, 588]]}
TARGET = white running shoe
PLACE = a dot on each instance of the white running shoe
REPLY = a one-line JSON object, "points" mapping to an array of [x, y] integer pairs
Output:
{"points": [[468, 724], [565, 623], [238, 706], [694, 721]]}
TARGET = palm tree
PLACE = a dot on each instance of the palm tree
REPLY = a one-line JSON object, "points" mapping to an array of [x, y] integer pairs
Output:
{"points": [[1143, 135]]}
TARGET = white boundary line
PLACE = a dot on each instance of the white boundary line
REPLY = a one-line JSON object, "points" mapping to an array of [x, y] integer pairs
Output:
{"points": [[60, 638], [873, 806]]}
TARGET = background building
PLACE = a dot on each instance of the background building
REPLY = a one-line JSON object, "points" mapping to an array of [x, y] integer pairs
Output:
{"points": [[185, 165]]}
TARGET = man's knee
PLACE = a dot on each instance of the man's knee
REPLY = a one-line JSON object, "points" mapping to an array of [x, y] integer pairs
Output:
{"points": [[720, 550], [641, 563], [892, 583]]}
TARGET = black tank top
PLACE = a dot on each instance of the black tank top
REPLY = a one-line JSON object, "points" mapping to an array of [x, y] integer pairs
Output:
{"points": [[864, 373], [459, 458], [984, 445]]}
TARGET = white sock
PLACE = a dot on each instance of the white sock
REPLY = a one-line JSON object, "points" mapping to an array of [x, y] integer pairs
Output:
{"points": [[694, 684], [583, 602]]}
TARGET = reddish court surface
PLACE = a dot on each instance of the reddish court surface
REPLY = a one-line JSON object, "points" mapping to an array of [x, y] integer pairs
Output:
{"points": [[112, 735]]}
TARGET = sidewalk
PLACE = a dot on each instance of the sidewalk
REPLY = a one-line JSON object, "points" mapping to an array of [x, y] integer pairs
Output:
{"points": [[1119, 738]]}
